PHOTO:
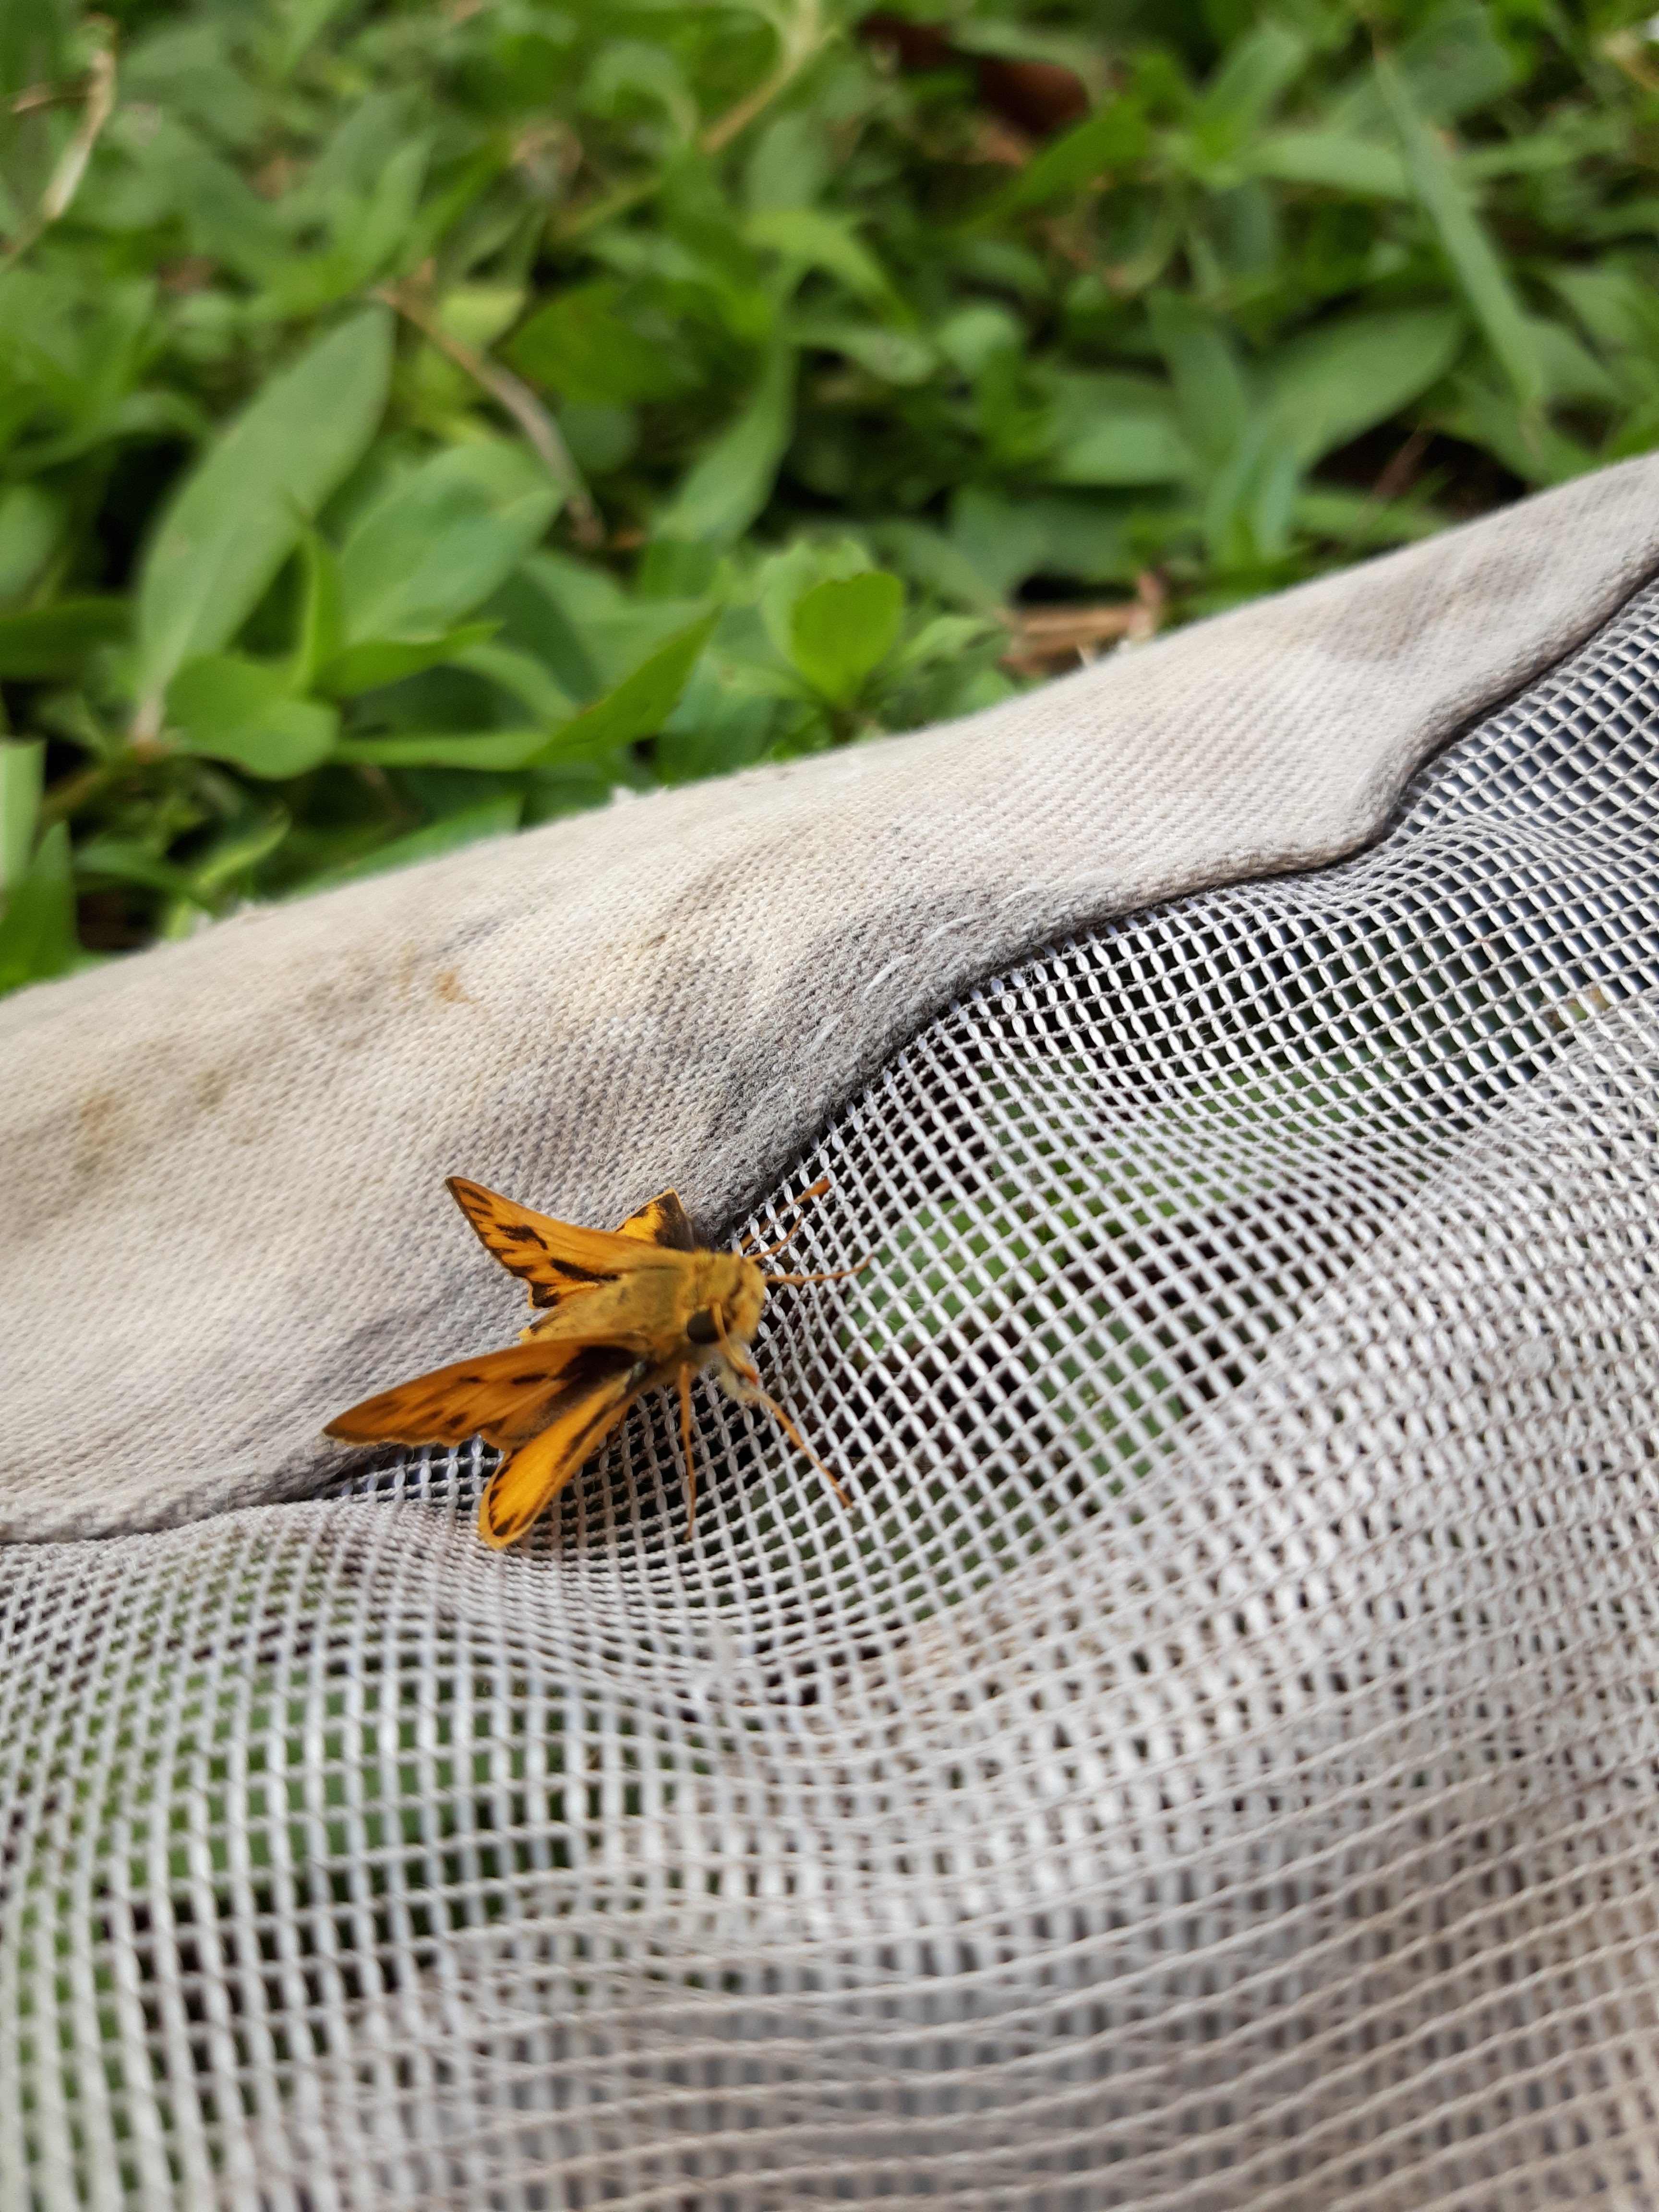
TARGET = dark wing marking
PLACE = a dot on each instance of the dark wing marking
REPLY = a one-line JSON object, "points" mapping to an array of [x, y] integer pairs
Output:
{"points": [[664, 1221]]}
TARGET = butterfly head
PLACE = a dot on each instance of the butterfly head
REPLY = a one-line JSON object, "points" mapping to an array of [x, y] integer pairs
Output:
{"points": [[739, 1286]]}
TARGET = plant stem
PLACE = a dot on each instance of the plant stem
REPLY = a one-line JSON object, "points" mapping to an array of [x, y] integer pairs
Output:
{"points": [[519, 401]]}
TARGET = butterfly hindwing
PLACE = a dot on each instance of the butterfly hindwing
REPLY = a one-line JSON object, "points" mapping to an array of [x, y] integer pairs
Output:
{"points": [[664, 1221], [523, 1487]]}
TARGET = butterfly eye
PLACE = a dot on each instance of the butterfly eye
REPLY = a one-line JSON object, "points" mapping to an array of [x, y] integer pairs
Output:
{"points": [[701, 1328]]}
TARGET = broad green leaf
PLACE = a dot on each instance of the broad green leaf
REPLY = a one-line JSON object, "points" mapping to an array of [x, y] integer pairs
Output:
{"points": [[497, 750], [40, 642], [1007, 540], [38, 938], [927, 556], [321, 629], [639, 706], [1259, 67], [1524, 440], [1451, 63], [727, 490], [713, 729], [240, 511], [579, 346], [523, 676], [786, 578], [1355, 518], [32, 521], [1109, 430], [379, 661], [813, 240], [895, 357], [943, 638], [23, 770], [1209, 382], [230, 708], [1250, 503], [1349, 374], [493, 818], [1114, 138], [1570, 373], [442, 539], [118, 861], [242, 848], [790, 163], [1335, 159], [842, 629], [1474, 260]]}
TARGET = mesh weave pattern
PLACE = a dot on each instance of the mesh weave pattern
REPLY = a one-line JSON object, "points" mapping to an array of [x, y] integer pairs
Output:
{"points": [[1216, 1762]]}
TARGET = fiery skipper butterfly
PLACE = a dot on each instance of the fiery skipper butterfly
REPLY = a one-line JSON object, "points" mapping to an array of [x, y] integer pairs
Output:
{"points": [[621, 1313]]}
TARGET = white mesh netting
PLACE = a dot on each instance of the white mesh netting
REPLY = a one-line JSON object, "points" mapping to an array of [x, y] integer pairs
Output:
{"points": [[1213, 1765]]}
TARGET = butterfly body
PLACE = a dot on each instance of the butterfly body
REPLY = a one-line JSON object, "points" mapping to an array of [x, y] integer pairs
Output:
{"points": [[618, 1313]]}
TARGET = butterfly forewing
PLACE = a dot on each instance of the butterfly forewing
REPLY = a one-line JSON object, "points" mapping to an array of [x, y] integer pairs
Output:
{"points": [[557, 1261], [504, 1397]]}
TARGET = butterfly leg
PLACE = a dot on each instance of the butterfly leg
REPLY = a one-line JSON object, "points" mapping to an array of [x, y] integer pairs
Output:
{"points": [[801, 1444], [685, 1446], [750, 1374]]}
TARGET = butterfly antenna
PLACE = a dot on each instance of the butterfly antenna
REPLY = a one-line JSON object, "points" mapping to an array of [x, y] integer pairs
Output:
{"points": [[831, 1275], [746, 1245]]}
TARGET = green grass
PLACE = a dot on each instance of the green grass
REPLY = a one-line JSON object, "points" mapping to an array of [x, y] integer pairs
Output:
{"points": [[418, 421]]}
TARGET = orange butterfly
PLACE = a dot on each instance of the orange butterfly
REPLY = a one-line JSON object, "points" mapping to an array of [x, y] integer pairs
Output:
{"points": [[624, 1313]]}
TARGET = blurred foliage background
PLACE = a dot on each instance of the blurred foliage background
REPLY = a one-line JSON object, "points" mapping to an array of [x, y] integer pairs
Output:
{"points": [[418, 421]]}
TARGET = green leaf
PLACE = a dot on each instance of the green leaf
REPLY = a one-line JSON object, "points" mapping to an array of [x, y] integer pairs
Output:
{"points": [[321, 630], [41, 642], [22, 769], [523, 676], [640, 705], [893, 356], [117, 860], [1332, 158], [1210, 386], [38, 938], [1114, 138], [813, 240], [32, 522], [244, 845], [496, 750], [441, 539], [240, 511], [1259, 67], [578, 345], [1474, 261], [722, 494], [1117, 429], [843, 629], [1356, 371], [493, 818], [229, 708], [379, 661], [1452, 63]]}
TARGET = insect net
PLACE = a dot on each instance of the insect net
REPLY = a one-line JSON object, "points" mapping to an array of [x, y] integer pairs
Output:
{"points": [[1214, 1764]]}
